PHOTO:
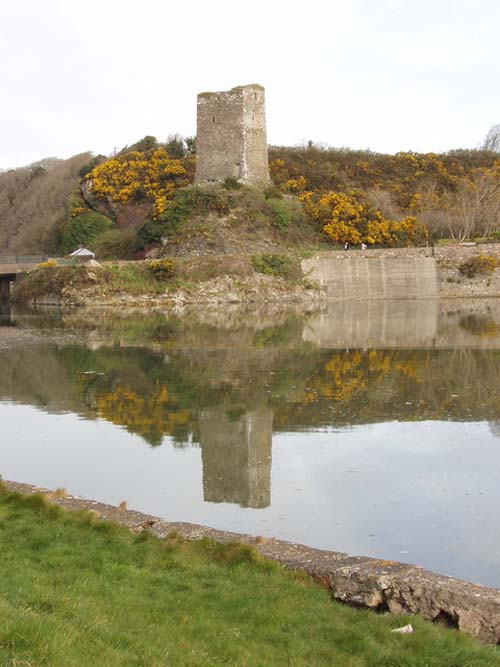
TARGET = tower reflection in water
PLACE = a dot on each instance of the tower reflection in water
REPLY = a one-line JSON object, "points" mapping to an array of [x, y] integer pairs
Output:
{"points": [[236, 457]]}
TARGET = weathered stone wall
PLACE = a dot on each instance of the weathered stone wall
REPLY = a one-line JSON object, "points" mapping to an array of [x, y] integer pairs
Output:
{"points": [[255, 161], [402, 273], [374, 274], [231, 137]]}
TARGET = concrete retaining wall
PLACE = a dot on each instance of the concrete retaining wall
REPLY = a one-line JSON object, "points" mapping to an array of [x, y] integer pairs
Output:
{"points": [[390, 323], [403, 323], [374, 274], [402, 273]]}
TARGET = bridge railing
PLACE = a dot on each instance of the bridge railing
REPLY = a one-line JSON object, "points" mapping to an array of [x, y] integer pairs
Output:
{"points": [[22, 259]]}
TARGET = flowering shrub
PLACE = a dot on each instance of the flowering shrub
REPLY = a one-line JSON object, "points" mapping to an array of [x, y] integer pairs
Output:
{"points": [[404, 174], [347, 374], [49, 264], [346, 217], [162, 269], [479, 264], [279, 266], [137, 175], [151, 414], [455, 194]]}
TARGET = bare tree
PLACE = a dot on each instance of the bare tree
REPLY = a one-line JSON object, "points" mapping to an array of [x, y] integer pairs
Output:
{"points": [[474, 208], [33, 200], [384, 202], [492, 139]]}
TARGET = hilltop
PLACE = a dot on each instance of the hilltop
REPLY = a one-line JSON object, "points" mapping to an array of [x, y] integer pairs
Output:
{"points": [[141, 202]]}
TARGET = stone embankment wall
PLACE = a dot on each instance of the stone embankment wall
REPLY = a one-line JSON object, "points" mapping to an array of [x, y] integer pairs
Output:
{"points": [[364, 582], [375, 274], [350, 324], [408, 273]]}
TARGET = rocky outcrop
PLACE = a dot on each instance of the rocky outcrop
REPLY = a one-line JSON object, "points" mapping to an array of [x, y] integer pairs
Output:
{"points": [[401, 589], [129, 215]]}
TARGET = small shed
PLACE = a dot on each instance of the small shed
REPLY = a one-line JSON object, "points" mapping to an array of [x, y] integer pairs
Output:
{"points": [[82, 255]]}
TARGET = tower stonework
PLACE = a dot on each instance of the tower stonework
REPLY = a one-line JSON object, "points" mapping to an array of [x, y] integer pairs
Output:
{"points": [[231, 137], [236, 456]]}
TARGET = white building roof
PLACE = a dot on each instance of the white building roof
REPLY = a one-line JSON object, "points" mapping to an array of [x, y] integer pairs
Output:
{"points": [[82, 252]]}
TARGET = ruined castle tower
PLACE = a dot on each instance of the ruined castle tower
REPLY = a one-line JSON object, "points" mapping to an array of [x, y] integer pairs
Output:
{"points": [[236, 457], [231, 137]]}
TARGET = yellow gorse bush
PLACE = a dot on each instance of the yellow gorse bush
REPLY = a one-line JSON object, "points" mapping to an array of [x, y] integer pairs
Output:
{"points": [[403, 174], [478, 265], [345, 217], [455, 194], [48, 264], [137, 175], [346, 374], [152, 414]]}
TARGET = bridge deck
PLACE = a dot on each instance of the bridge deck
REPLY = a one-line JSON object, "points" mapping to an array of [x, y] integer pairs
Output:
{"points": [[10, 265]]}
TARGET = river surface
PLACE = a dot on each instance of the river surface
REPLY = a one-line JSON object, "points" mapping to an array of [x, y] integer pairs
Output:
{"points": [[370, 428]]}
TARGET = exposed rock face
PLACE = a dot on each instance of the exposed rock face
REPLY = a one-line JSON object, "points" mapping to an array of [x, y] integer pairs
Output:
{"points": [[129, 215], [406, 589], [364, 582]]}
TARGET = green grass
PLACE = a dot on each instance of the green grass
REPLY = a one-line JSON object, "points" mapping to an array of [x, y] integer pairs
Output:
{"points": [[46, 281], [133, 278], [279, 266], [76, 591]]}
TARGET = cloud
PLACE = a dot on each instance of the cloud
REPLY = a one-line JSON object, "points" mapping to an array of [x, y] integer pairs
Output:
{"points": [[386, 75]]}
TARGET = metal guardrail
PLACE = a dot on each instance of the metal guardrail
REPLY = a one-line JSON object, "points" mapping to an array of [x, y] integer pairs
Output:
{"points": [[22, 259]]}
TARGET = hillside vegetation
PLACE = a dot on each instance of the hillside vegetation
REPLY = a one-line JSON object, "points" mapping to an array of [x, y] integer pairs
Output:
{"points": [[33, 203], [141, 201], [359, 195], [318, 196]]}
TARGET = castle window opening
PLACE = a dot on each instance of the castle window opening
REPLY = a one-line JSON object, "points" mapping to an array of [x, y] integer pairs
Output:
{"points": [[213, 119]]}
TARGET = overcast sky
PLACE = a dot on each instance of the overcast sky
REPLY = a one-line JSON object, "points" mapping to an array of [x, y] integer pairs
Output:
{"points": [[388, 75]]}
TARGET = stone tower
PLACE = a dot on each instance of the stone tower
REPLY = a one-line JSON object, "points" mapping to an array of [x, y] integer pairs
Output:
{"points": [[236, 456], [231, 137]]}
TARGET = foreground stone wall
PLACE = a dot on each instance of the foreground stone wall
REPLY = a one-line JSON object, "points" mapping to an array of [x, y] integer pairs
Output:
{"points": [[402, 273], [408, 273], [472, 323], [365, 582]]}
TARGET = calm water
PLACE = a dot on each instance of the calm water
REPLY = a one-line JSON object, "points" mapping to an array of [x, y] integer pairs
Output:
{"points": [[371, 428]]}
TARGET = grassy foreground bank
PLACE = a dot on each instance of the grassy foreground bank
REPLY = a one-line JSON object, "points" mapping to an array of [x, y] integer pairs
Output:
{"points": [[78, 591]]}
